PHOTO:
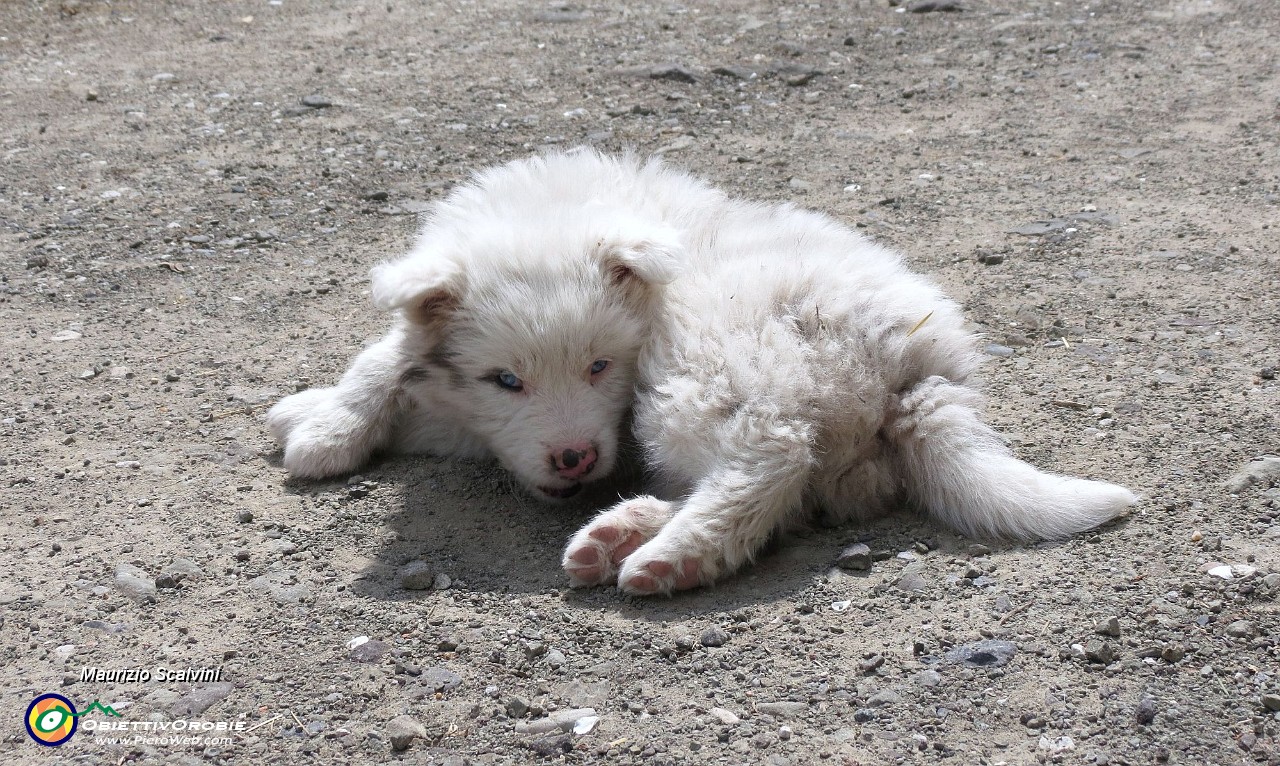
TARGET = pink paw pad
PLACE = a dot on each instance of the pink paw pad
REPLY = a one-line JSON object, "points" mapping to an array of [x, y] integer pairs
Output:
{"points": [[664, 576]]}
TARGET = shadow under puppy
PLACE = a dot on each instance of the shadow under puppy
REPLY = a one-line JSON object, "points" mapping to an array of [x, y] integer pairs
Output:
{"points": [[779, 364]]}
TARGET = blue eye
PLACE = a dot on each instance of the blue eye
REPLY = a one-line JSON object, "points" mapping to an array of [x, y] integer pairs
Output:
{"points": [[508, 380], [599, 366]]}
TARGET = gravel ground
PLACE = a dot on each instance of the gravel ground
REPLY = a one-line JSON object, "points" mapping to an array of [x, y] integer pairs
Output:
{"points": [[191, 195]]}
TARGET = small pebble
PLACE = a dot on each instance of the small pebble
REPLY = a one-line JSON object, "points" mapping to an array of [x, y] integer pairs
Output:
{"points": [[884, 697], [1146, 711], [723, 716], [928, 678], [416, 575], [135, 583], [516, 707], [713, 637], [1101, 652], [368, 650], [1241, 629], [983, 654], [1108, 627], [783, 709], [856, 557], [441, 679], [403, 730]]}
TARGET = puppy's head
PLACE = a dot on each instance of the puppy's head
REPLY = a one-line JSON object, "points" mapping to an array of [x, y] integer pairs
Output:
{"points": [[529, 338]]}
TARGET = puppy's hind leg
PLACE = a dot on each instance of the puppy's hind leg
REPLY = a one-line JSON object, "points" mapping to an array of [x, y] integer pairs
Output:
{"points": [[959, 470], [328, 431], [755, 488]]}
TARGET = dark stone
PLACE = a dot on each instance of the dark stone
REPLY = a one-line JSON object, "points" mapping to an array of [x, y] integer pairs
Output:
{"points": [[549, 747], [370, 651], [935, 6], [1146, 712], [983, 654], [672, 72]]}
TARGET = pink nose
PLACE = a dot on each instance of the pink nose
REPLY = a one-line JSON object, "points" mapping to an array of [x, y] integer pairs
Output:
{"points": [[575, 461]]}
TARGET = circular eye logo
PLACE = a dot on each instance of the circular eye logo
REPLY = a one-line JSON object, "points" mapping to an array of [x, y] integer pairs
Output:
{"points": [[51, 719]]}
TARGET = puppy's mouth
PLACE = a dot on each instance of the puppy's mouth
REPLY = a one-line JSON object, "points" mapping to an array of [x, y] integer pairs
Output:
{"points": [[561, 493]]}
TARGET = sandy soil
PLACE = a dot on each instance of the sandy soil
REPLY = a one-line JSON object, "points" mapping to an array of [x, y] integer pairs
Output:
{"points": [[184, 241]]}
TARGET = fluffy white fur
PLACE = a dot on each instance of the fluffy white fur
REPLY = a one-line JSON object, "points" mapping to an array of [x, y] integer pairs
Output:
{"points": [[778, 364]]}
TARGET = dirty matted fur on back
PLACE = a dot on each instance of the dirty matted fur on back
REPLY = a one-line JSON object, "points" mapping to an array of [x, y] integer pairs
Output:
{"points": [[779, 364]]}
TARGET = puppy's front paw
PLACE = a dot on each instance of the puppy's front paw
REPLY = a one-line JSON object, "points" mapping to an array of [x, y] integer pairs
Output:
{"points": [[598, 549], [320, 436], [669, 562]]}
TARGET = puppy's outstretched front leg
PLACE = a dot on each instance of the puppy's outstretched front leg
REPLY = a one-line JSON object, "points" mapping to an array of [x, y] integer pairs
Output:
{"points": [[328, 431], [598, 549], [757, 486]]}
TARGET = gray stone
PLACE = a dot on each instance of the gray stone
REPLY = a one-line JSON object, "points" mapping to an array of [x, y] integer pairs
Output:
{"points": [[516, 707], [178, 571], [856, 557], [782, 709], [884, 697], [1264, 470], [584, 695], [283, 586], [713, 637], [1145, 712], [135, 583], [1271, 702], [316, 101], [911, 581], [935, 6], [1108, 627], [199, 700], [562, 720], [672, 72], [403, 730], [1101, 652], [1241, 629], [725, 717], [440, 679], [368, 651], [928, 678], [872, 663]]}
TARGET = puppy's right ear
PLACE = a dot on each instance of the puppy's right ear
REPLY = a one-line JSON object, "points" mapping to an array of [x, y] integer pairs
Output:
{"points": [[427, 291]]}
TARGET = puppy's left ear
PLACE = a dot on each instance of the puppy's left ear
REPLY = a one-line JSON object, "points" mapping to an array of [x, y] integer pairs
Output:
{"points": [[641, 258]]}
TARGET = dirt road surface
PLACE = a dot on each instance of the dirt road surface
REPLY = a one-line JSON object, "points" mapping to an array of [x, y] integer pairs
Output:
{"points": [[191, 195]]}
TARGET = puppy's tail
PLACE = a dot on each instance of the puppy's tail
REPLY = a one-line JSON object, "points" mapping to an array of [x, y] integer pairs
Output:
{"points": [[960, 471]]}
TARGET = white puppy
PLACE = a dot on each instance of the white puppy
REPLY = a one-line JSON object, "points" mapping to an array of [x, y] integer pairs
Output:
{"points": [[779, 365]]}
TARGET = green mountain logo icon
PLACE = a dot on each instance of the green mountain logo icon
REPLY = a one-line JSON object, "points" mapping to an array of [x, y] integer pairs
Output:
{"points": [[96, 705]]}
